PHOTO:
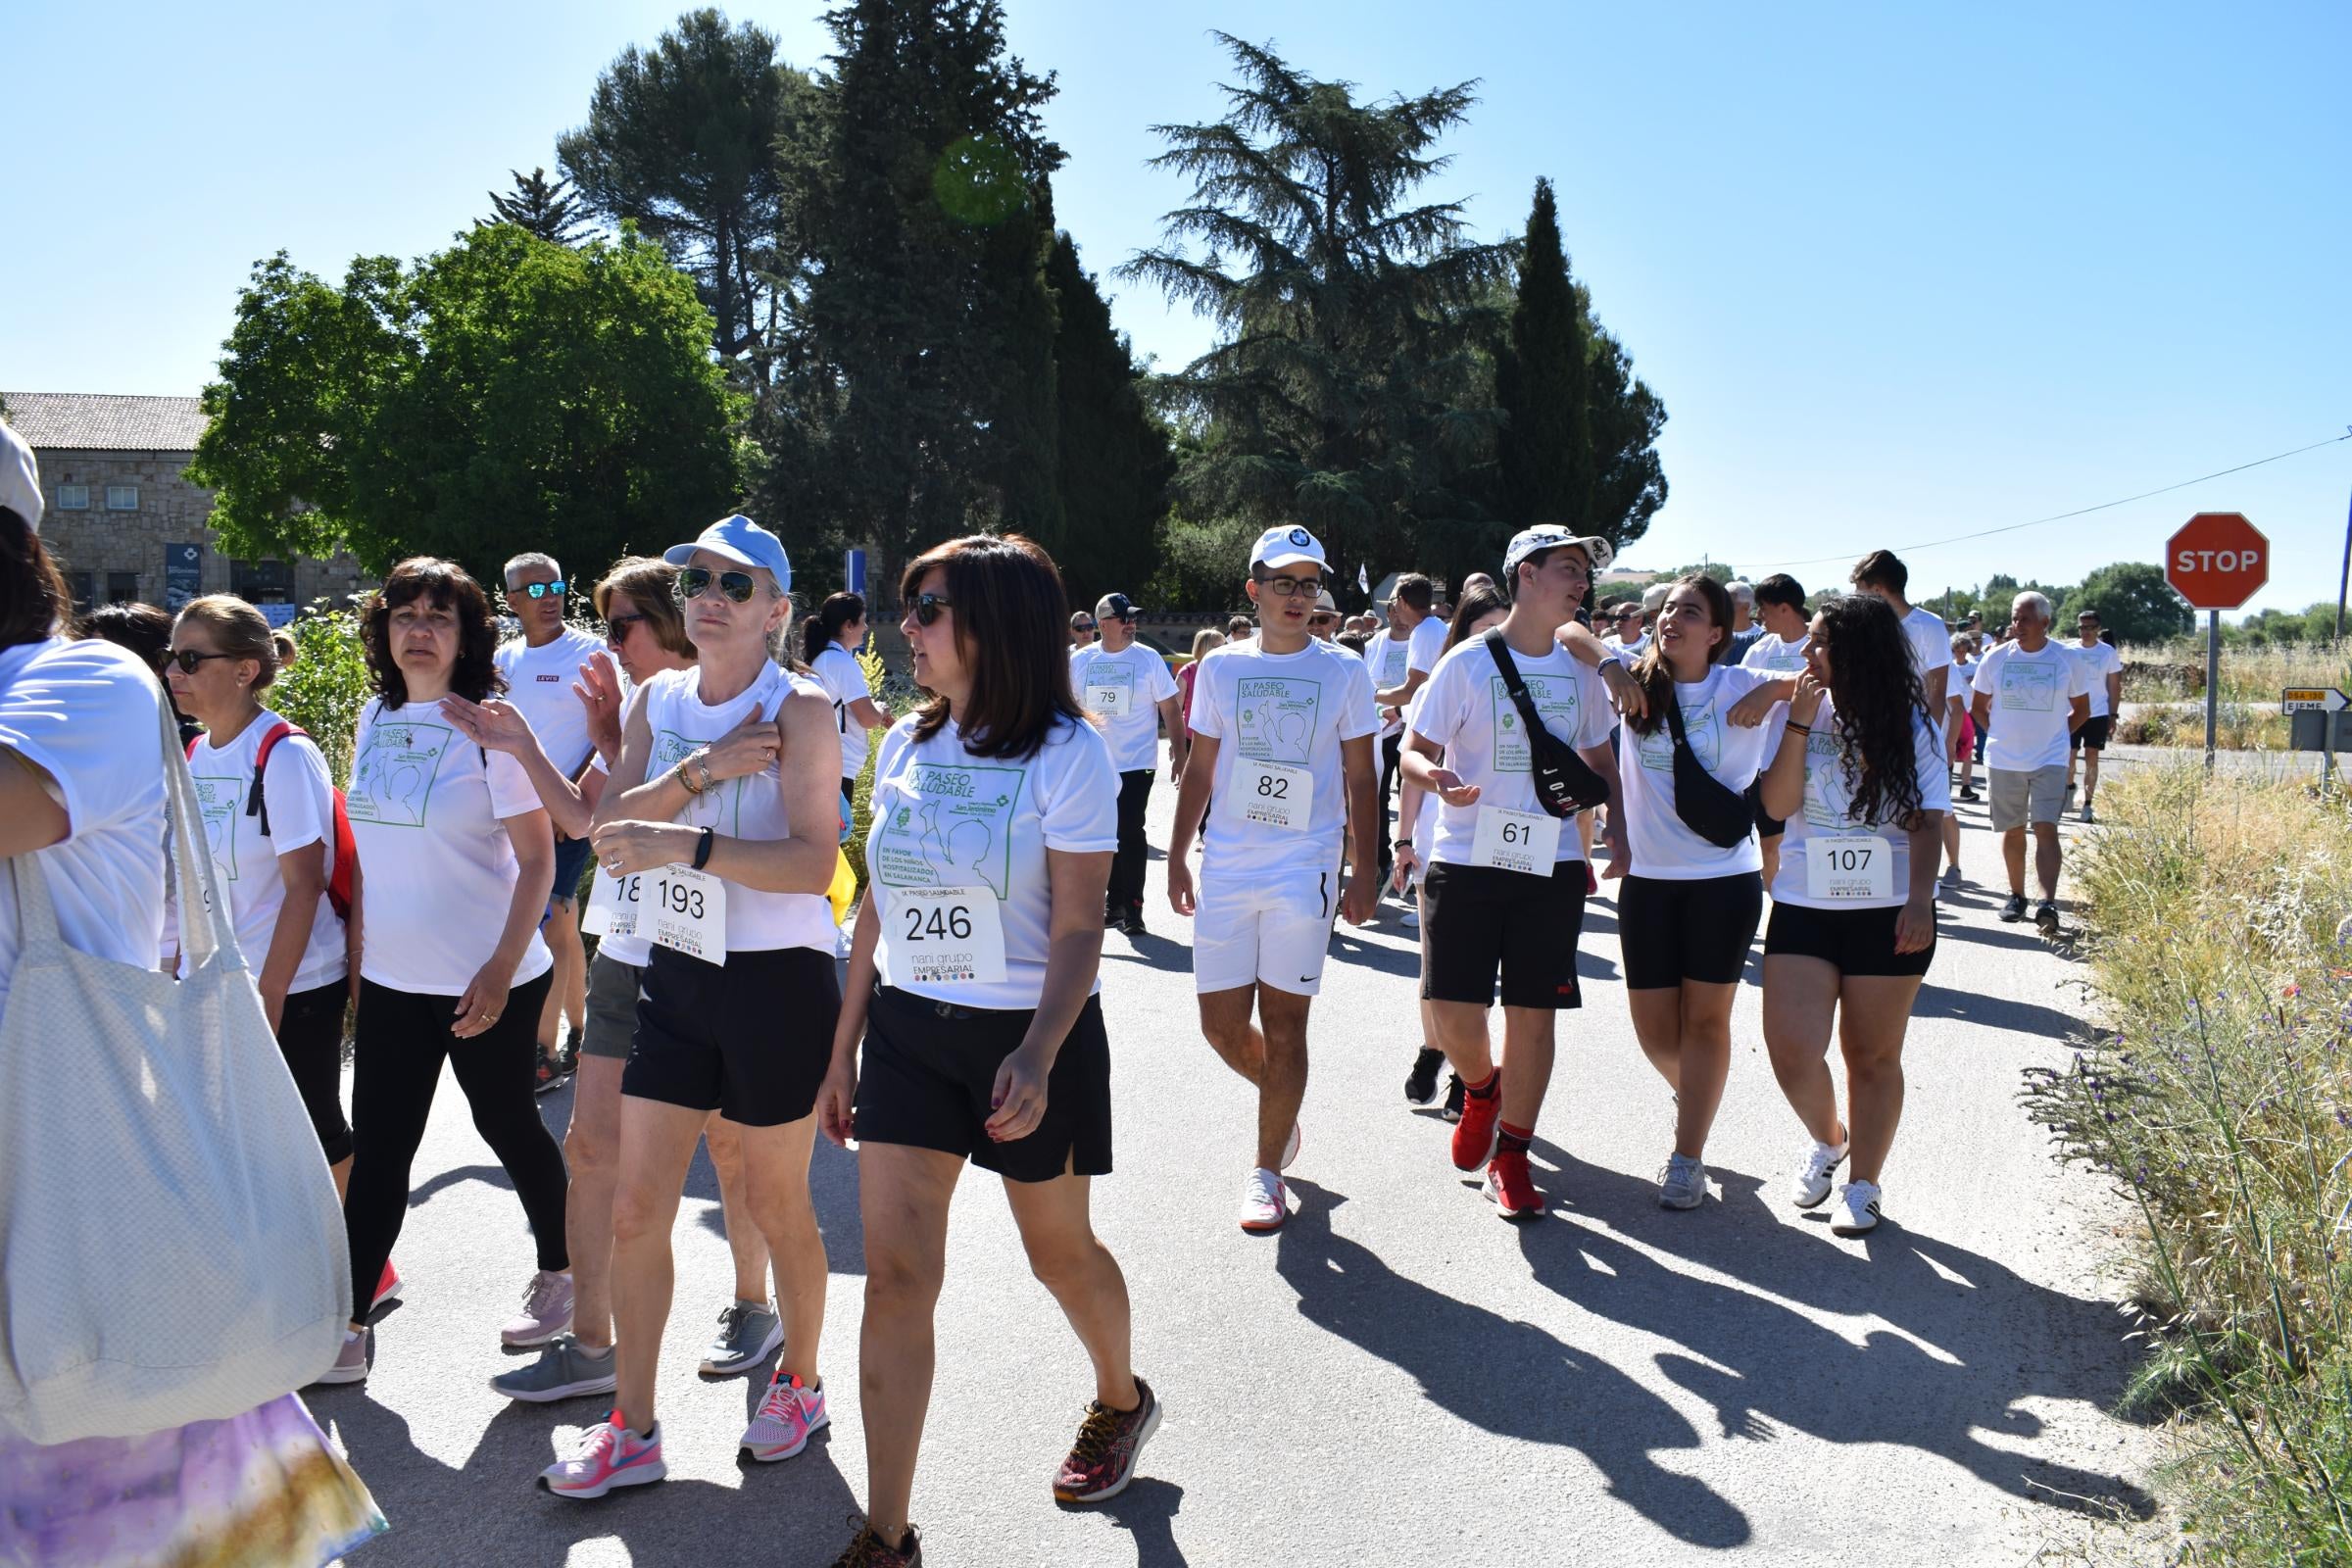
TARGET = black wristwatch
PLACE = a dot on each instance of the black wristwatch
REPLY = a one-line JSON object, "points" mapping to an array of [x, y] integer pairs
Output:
{"points": [[702, 848]]}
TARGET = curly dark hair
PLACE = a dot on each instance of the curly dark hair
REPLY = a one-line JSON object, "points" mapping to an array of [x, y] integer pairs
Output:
{"points": [[1877, 695], [447, 585], [1657, 680]]}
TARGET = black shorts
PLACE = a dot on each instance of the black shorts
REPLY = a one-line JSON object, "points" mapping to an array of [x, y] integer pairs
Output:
{"points": [[571, 858], [309, 1035], [1479, 920], [929, 1070], [2092, 736], [1670, 932], [1851, 941], [1767, 827], [751, 1038]]}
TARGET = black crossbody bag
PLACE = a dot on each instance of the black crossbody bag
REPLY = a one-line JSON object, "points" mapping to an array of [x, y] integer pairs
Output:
{"points": [[1707, 806], [1565, 783]]}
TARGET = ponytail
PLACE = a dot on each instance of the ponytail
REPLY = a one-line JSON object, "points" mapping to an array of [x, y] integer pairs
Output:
{"points": [[823, 628]]}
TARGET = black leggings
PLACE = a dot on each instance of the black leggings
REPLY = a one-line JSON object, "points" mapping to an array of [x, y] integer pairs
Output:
{"points": [[403, 1039], [1391, 763], [1126, 890], [309, 1035]]}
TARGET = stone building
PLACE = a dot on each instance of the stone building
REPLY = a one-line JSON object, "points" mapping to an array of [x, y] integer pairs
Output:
{"points": [[123, 521]]}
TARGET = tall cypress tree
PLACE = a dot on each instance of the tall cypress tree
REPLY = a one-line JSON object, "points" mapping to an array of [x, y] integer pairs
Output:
{"points": [[1114, 460], [1542, 384]]}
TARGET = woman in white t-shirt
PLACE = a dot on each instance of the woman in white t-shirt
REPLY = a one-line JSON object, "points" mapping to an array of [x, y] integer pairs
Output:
{"points": [[1860, 776], [271, 823], [829, 640], [459, 859], [974, 990], [1960, 744]]}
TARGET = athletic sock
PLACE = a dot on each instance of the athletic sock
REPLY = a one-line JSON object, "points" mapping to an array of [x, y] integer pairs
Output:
{"points": [[1485, 1088], [1512, 1140]]}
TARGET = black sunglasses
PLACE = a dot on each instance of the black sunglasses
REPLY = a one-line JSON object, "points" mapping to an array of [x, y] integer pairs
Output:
{"points": [[694, 582], [617, 627], [188, 659], [540, 590], [926, 609]]}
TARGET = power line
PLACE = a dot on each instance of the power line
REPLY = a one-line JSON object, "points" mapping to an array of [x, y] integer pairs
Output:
{"points": [[2081, 511]]}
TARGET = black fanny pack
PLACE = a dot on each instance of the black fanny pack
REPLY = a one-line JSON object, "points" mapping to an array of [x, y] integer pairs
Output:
{"points": [[1565, 782], [1707, 806]]}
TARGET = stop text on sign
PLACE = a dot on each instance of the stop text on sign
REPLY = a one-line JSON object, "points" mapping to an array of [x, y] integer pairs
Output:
{"points": [[2217, 560]]}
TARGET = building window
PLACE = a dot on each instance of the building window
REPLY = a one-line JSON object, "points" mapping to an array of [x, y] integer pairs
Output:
{"points": [[72, 498], [262, 582], [121, 587], [80, 585], [121, 498]]}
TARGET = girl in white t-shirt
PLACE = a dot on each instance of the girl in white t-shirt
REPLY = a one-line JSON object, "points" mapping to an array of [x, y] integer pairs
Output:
{"points": [[973, 993], [829, 640], [1860, 776]]}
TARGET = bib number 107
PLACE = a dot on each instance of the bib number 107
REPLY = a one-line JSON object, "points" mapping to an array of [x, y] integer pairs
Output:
{"points": [[1849, 868]]}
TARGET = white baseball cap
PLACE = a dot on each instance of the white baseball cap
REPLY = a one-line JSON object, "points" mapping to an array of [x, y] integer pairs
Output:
{"points": [[19, 478], [1287, 546], [1548, 536], [1325, 604]]}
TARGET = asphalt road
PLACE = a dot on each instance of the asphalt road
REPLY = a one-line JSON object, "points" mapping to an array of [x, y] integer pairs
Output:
{"points": [[1396, 1377]]}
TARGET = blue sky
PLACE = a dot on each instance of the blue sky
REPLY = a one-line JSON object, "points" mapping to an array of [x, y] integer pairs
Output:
{"points": [[1899, 272]]}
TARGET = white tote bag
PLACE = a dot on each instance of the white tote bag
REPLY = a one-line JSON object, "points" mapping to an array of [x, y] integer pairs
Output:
{"points": [[170, 1244]]}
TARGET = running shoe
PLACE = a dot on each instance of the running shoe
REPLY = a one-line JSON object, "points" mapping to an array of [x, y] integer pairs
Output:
{"points": [[351, 1363], [785, 1419], [1421, 1083], [1474, 1136], [749, 1333], [869, 1550], [387, 1286], [549, 1075], [1591, 881], [546, 1311], [2045, 917], [1512, 1188], [1951, 876], [1968, 791], [610, 1455], [2088, 815], [2013, 910], [1135, 920], [564, 1370], [1265, 1202], [1452, 1111], [1812, 1183], [1103, 1460], [1683, 1184], [1857, 1210], [1289, 1151], [1411, 920]]}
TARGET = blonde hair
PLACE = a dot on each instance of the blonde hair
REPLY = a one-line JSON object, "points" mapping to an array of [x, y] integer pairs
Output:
{"points": [[1205, 638], [240, 631]]}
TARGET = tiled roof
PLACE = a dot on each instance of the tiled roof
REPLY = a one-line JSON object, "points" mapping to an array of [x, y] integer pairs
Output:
{"points": [[102, 422]]}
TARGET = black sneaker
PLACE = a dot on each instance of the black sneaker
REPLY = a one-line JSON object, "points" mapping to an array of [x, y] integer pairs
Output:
{"points": [[2014, 909], [1453, 1098], [549, 1075], [1134, 925], [2045, 917], [1968, 791], [1115, 920], [1421, 1083]]}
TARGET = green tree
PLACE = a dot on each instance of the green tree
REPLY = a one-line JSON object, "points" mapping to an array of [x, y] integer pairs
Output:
{"points": [[1629, 480], [1349, 390], [1115, 461], [507, 394], [2133, 602], [548, 210], [1541, 382]]}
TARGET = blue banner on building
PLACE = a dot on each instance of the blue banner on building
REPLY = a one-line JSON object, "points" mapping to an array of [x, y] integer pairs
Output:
{"points": [[183, 575]]}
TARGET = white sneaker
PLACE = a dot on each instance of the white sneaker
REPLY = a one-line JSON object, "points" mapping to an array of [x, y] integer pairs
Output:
{"points": [[1683, 1184], [1265, 1202], [351, 1363], [1411, 920], [1289, 1151], [1821, 1161], [1857, 1210], [2088, 815]]}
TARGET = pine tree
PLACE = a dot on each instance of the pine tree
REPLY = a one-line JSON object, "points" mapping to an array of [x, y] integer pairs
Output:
{"points": [[1541, 382], [1115, 461], [550, 212]]}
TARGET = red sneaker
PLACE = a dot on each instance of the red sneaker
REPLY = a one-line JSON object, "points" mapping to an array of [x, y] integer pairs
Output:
{"points": [[387, 1287], [1512, 1188], [1474, 1134]]}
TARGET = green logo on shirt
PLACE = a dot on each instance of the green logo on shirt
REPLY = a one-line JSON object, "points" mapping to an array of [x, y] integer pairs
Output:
{"points": [[392, 781], [221, 799], [1278, 717], [947, 827], [1555, 700]]}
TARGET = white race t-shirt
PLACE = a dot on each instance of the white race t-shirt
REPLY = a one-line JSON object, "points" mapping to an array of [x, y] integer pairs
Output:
{"points": [[85, 712], [2031, 705], [838, 671], [1930, 642], [749, 807], [1776, 655], [300, 799], [539, 682], [427, 811], [1662, 846], [1466, 709], [1125, 690], [1293, 710], [1427, 645], [1829, 808], [944, 818], [1386, 663], [2098, 662]]}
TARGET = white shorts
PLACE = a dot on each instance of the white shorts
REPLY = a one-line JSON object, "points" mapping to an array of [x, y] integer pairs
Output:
{"points": [[1275, 935]]}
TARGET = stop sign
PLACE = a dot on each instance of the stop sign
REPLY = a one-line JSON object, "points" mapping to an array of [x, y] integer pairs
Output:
{"points": [[2218, 561]]}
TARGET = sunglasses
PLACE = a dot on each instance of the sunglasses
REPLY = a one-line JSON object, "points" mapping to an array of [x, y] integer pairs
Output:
{"points": [[189, 660], [617, 627], [926, 607], [695, 582], [541, 590], [1084, 626]]}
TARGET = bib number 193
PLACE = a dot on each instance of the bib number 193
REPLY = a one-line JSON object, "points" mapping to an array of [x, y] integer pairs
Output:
{"points": [[686, 910]]}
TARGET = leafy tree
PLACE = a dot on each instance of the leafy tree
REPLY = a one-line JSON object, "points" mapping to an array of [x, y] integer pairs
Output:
{"points": [[1349, 391], [1114, 459], [507, 394], [548, 211], [1541, 382], [2133, 602], [1628, 482]]}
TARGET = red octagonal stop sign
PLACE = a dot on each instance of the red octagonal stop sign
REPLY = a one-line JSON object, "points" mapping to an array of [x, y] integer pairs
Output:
{"points": [[2218, 561]]}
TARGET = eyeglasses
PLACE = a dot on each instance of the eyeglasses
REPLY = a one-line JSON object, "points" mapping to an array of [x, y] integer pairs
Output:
{"points": [[1084, 626], [617, 627], [1291, 587], [694, 582], [926, 609], [188, 659], [540, 590]]}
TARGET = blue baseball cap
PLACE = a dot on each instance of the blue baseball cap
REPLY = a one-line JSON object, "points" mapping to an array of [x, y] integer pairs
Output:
{"points": [[742, 541]]}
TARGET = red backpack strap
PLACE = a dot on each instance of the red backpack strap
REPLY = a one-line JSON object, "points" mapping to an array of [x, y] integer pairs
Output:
{"points": [[254, 805]]}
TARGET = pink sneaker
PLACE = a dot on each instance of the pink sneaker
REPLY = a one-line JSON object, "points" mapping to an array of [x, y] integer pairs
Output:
{"points": [[787, 1417], [610, 1455]]}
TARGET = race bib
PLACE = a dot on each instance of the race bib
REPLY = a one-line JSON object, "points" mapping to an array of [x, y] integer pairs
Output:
{"points": [[1516, 841], [1850, 866], [1112, 702], [612, 905], [686, 911], [1275, 794], [944, 936]]}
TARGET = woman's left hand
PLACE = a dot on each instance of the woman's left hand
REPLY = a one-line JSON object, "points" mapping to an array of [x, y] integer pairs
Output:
{"points": [[1019, 1096], [1625, 692], [1756, 707], [1915, 928], [484, 1001], [627, 848]]}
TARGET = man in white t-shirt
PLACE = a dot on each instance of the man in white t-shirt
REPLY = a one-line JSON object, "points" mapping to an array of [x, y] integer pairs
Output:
{"points": [[1401, 659], [2034, 694], [2103, 670], [1883, 573], [1282, 731], [539, 669], [1128, 689]]}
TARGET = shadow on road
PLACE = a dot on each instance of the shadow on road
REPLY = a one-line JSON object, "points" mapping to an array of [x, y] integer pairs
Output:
{"points": [[1147, 1511], [1995, 1012]]}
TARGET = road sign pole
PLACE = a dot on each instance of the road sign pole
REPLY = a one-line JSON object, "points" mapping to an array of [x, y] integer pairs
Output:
{"points": [[2343, 578], [2213, 682]]}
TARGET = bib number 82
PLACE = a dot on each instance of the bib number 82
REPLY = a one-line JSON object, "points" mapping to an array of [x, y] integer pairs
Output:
{"points": [[1274, 786], [953, 922]]}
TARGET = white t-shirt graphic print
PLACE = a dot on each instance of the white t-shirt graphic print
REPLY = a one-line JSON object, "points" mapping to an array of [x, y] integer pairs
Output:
{"points": [[1125, 690], [1296, 709], [1660, 845], [1829, 811], [1466, 709], [2031, 704], [1776, 656], [301, 806]]}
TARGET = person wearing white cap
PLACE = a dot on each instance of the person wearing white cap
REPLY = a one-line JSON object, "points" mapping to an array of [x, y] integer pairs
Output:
{"points": [[1323, 621], [1282, 736], [717, 832], [1503, 895], [1128, 689], [1399, 662]]}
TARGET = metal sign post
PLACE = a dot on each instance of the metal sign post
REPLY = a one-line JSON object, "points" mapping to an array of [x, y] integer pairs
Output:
{"points": [[2213, 682], [2327, 702]]}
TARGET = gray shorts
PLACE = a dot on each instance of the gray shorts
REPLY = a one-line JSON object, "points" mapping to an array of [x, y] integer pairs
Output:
{"points": [[612, 1025], [2017, 799]]}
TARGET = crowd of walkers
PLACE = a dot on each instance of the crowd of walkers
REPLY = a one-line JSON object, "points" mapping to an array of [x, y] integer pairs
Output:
{"points": [[680, 781]]}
